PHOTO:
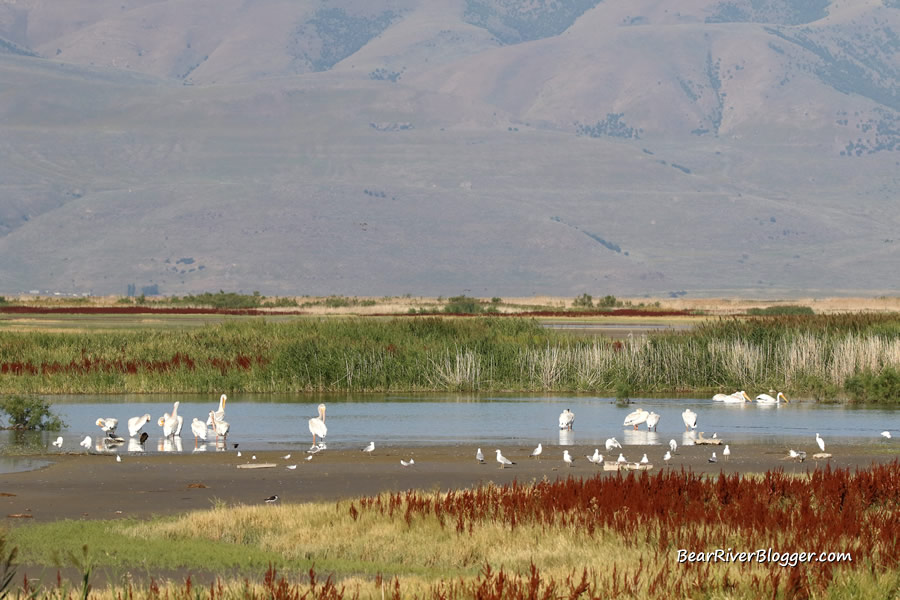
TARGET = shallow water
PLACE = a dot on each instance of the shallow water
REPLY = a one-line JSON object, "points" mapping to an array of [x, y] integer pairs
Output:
{"points": [[270, 422]]}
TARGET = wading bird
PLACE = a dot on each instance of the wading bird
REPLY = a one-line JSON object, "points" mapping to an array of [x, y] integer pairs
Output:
{"points": [[886, 435], [612, 443], [726, 452], [218, 415], [135, 424], [636, 418], [220, 427], [108, 425], [198, 428], [566, 419], [673, 446], [713, 458], [596, 458], [271, 499], [690, 419], [820, 442], [370, 447], [652, 421], [317, 428]]}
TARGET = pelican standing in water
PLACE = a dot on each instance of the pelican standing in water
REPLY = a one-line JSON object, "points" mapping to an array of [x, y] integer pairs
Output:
{"points": [[198, 428], [820, 442], [108, 425], [566, 419], [767, 399], [171, 424], [690, 419], [220, 427], [636, 418], [218, 415], [652, 421], [135, 424], [317, 428]]}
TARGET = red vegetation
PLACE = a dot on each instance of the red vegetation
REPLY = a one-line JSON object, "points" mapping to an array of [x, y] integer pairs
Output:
{"points": [[136, 310], [127, 366]]}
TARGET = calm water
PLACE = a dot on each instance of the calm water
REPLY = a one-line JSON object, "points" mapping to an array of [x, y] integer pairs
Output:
{"points": [[280, 421]]}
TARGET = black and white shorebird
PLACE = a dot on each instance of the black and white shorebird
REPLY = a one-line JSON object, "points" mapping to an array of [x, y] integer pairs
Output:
{"points": [[370, 447], [479, 456], [503, 460], [271, 499]]}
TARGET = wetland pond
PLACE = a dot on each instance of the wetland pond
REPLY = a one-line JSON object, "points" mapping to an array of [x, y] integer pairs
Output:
{"points": [[280, 422]]}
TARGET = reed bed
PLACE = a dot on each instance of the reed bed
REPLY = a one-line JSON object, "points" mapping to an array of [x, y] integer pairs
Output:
{"points": [[602, 537], [817, 356]]}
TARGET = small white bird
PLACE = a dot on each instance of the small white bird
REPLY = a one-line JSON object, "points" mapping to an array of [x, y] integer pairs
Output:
{"points": [[667, 457], [673, 446], [715, 436], [621, 460], [503, 460], [59, 442], [239, 453], [567, 458], [612, 443], [886, 434], [118, 458], [292, 467], [370, 447], [309, 457], [713, 458], [537, 451], [253, 457], [820, 442], [407, 463], [726, 452], [286, 456], [86, 442], [479, 456], [596, 458], [644, 460]]}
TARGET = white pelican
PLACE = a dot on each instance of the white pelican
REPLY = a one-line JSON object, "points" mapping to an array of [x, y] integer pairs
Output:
{"points": [[86, 442], [690, 419], [198, 428], [673, 446], [726, 452], [503, 460], [820, 442], [645, 460], [621, 460], [317, 428], [636, 418], [566, 419], [713, 458], [735, 398], [567, 458], [108, 425], [667, 457], [220, 427], [596, 458], [218, 415], [884, 434], [612, 443], [537, 451], [652, 420], [370, 447], [479, 456], [767, 399], [59, 442], [168, 422], [135, 424]]}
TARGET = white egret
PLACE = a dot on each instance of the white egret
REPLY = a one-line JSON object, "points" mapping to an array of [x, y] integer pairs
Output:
{"points": [[503, 460], [567, 458], [820, 442], [317, 428], [636, 418], [566, 419]]}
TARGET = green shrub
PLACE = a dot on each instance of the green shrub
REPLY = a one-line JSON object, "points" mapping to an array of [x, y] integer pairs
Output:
{"points": [[463, 305], [867, 386], [781, 310], [30, 413], [607, 302], [583, 301]]}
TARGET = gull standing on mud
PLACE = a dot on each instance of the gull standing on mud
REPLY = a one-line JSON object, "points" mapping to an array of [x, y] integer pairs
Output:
{"points": [[667, 457], [726, 452], [317, 428], [886, 435], [171, 424], [536, 453], [621, 460], [713, 458], [672, 446], [479, 456], [370, 448], [595, 458], [567, 458], [503, 460]]}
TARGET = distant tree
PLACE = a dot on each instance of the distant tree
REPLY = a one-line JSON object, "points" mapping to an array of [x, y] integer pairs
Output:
{"points": [[583, 301]]}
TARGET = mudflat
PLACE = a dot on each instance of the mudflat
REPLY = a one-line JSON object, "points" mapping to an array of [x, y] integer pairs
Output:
{"points": [[96, 486]]}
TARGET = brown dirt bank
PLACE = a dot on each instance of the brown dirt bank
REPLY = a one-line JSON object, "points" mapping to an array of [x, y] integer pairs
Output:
{"points": [[98, 487]]}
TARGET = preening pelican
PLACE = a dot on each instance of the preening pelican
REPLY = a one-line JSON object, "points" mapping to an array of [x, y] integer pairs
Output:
{"points": [[652, 420], [767, 399], [218, 415], [198, 428], [636, 418], [820, 442], [135, 424], [317, 428], [169, 423], [537, 451], [59, 442], [612, 443], [690, 419], [108, 425], [220, 427], [567, 458], [86, 442], [503, 460], [479, 456], [566, 419]]}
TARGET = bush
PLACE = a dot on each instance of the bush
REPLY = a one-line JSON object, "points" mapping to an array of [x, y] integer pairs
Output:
{"points": [[883, 387], [463, 305], [781, 310], [30, 413], [607, 302], [583, 301]]}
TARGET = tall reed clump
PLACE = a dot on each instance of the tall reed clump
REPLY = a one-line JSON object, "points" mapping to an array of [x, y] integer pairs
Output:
{"points": [[820, 355]]}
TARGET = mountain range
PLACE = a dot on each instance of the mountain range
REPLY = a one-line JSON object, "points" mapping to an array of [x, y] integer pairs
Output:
{"points": [[487, 147]]}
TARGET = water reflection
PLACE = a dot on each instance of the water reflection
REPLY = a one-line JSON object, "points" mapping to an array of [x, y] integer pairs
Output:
{"points": [[566, 437], [172, 444], [640, 437], [134, 445]]}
